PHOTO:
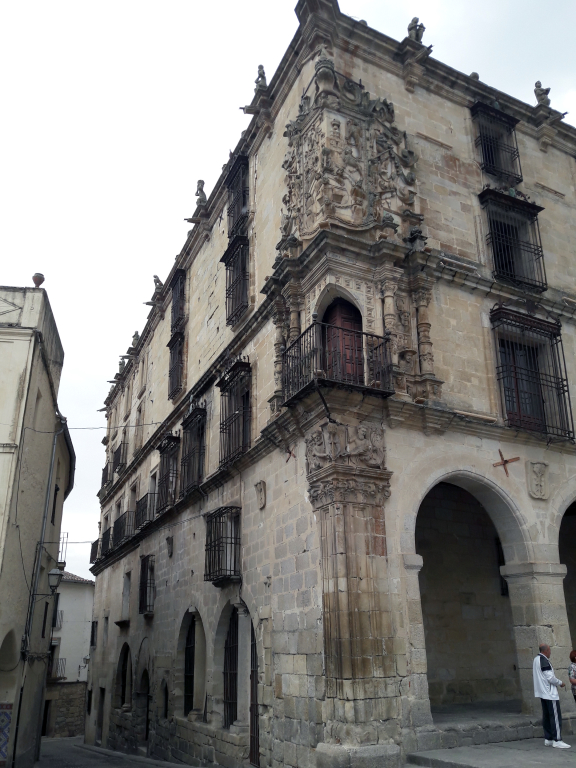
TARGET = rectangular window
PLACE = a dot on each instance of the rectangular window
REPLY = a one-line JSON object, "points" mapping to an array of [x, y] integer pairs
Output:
{"points": [[222, 553], [44, 620], [147, 585], [514, 240], [237, 185], [235, 411], [531, 371], [496, 143], [193, 448], [56, 489], [175, 371], [119, 457], [55, 623], [178, 286], [237, 278], [105, 633], [168, 450], [126, 595], [94, 634]]}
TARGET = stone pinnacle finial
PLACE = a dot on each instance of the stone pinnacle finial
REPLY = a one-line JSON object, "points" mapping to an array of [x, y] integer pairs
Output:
{"points": [[37, 279]]}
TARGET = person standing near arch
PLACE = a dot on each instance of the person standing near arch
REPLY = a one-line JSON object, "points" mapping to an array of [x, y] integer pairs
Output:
{"points": [[546, 686]]}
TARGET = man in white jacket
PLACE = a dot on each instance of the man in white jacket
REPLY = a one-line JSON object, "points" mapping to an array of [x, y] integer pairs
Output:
{"points": [[546, 686]]}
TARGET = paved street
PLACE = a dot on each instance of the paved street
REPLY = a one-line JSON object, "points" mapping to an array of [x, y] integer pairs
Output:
{"points": [[529, 753], [70, 753]]}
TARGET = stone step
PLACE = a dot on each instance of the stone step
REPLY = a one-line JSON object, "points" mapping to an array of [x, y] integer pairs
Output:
{"points": [[528, 753]]}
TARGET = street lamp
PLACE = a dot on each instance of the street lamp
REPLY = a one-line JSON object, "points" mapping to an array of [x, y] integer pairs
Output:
{"points": [[54, 579]]}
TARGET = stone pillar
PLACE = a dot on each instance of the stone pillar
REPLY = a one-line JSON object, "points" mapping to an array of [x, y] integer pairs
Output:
{"points": [[279, 320], [242, 722], [539, 616], [389, 288], [422, 298]]}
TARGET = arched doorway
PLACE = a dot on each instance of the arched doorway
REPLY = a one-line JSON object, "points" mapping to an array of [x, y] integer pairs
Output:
{"points": [[144, 707], [343, 342], [123, 687], [567, 552], [468, 626]]}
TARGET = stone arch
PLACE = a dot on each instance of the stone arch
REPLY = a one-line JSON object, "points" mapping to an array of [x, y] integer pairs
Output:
{"points": [[123, 679], [199, 694], [499, 504], [560, 534], [143, 707], [9, 662], [331, 292], [219, 640]]}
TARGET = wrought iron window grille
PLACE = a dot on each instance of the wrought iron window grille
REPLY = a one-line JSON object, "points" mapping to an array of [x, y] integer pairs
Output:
{"points": [[236, 260], [336, 356], [145, 509], [168, 474], [189, 654], [119, 457], [231, 671], [514, 240], [147, 591], [178, 313], [235, 412], [531, 371], [123, 527], [106, 474], [238, 195], [193, 449], [176, 365], [222, 561], [496, 143], [106, 542], [94, 551]]}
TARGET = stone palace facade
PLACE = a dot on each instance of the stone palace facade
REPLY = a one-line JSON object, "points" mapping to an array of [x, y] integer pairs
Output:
{"points": [[339, 487]]}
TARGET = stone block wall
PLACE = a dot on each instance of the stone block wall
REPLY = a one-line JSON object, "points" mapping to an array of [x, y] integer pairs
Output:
{"points": [[67, 709]]}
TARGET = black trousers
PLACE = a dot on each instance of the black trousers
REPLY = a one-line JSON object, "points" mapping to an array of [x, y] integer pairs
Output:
{"points": [[551, 720]]}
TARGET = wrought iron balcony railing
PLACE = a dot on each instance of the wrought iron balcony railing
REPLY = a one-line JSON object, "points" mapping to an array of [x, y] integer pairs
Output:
{"points": [[145, 510], [337, 356], [106, 475], [119, 457], [123, 527], [106, 542], [94, 550], [56, 669]]}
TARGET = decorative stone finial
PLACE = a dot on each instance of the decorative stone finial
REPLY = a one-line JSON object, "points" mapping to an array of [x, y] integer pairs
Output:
{"points": [[121, 365], [261, 79], [541, 94], [474, 76], [135, 338], [200, 194], [38, 279], [416, 30], [157, 283]]}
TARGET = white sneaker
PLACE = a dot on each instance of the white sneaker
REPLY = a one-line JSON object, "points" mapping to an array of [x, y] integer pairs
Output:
{"points": [[548, 742], [561, 745]]}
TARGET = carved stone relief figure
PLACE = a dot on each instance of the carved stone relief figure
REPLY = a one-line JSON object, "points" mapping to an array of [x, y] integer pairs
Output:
{"points": [[367, 451], [537, 477], [200, 194], [347, 161], [261, 79], [261, 493], [541, 94], [416, 30], [361, 446]]}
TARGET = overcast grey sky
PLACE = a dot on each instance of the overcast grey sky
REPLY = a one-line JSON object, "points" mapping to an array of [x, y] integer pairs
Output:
{"points": [[113, 109]]}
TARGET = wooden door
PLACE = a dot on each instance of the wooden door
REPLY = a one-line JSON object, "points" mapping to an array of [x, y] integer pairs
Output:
{"points": [[343, 343]]}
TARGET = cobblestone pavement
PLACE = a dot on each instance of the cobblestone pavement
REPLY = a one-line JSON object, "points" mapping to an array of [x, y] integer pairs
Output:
{"points": [[71, 753], [529, 753]]}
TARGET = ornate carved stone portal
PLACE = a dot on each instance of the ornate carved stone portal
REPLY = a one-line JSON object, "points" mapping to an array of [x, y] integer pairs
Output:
{"points": [[347, 163], [348, 486]]}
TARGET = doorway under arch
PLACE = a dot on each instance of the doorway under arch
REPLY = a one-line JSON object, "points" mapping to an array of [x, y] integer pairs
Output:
{"points": [[567, 553], [143, 713], [468, 626], [343, 342]]}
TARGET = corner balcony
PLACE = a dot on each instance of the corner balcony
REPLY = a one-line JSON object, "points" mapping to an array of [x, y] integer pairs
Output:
{"points": [[331, 356]]}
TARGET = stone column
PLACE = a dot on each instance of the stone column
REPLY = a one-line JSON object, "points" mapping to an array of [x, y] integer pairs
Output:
{"points": [[279, 320], [422, 298], [389, 288], [539, 616], [242, 722]]}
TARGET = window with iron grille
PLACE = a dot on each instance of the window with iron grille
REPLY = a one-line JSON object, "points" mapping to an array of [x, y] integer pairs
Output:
{"points": [[189, 653], [193, 449], [237, 277], [222, 562], [178, 286], [237, 185], [496, 142], [235, 411], [514, 240], [147, 585], [531, 371], [168, 450], [231, 671], [119, 457], [94, 550], [175, 371]]}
